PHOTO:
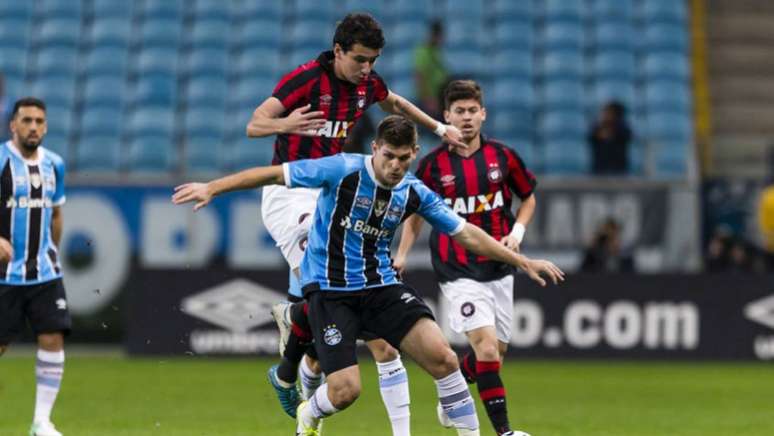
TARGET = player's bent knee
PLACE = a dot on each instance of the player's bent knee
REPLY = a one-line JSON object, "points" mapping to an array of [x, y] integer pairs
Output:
{"points": [[343, 393], [487, 352], [444, 363], [382, 351]]}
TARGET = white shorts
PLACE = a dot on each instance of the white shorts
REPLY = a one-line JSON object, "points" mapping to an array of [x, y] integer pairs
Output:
{"points": [[288, 215], [479, 304]]}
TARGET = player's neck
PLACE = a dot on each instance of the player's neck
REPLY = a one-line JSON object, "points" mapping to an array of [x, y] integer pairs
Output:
{"points": [[473, 146], [26, 153]]}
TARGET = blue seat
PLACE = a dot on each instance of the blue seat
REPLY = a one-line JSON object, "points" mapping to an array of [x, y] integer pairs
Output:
{"points": [[204, 154], [207, 92], [562, 124], [463, 8], [302, 55], [667, 95], [59, 33], [562, 64], [405, 87], [113, 32], [210, 34], [250, 152], [203, 121], [208, 63], [513, 36], [315, 9], [613, 9], [156, 92], [56, 91], [511, 93], [605, 91], [563, 94], [152, 154], [112, 9], [411, 9], [465, 62], [407, 34], [162, 9], [156, 61], [160, 33], [563, 9], [271, 11], [614, 65], [103, 91], [258, 60], [13, 61], [664, 11], [514, 63], [509, 10], [98, 153], [211, 10], [59, 118], [566, 157], [13, 33], [311, 32], [59, 62], [563, 35], [106, 61], [253, 91], [261, 33], [613, 36], [97, 121], [661, 66], [671, 158], [151, 121], [671, 37], [58, 143], [669, 126], [61, 9], [16, 10], [376, 9], [510, 122]]}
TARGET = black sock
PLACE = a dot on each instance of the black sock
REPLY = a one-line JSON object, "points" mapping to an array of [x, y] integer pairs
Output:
{"points": [[492, 393], [468, 367], [298, 343]]}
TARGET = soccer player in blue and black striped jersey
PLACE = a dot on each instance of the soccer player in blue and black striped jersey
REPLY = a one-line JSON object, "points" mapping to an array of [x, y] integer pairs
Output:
{"points": [[31, 290], [347, 275]]}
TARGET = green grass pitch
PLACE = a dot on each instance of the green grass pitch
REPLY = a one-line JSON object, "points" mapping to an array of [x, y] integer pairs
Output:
{"points": [[200, 396]]}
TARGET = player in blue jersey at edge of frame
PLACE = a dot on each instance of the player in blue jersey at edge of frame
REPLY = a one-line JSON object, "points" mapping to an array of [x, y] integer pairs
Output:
{"points": [[347, 274]]}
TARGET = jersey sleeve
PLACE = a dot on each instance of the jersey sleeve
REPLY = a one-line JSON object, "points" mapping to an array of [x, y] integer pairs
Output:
{"points": [[380, 88], [521, 180], [58, 198], [315, 173], [294, 88], [433, 209], [423, 171]]}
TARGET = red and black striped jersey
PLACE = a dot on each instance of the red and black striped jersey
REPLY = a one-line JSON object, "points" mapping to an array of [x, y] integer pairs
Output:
{"points": [[480, 188], [342, 102]]}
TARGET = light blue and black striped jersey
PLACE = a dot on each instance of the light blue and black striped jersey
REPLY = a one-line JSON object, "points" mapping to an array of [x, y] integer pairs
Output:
{"points": [[355, 221], [29, 190]]}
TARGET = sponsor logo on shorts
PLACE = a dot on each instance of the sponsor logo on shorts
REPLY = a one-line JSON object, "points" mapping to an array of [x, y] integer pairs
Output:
{"points": [[407, 297], [331, 335], [61, 304], [467, 309]]}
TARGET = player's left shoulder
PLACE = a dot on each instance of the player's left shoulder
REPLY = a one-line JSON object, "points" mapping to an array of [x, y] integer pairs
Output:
{"points": [[52, 157]]}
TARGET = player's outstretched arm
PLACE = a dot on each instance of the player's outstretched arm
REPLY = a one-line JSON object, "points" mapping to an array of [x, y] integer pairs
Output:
{"points": [[523, 217], [479, 242], [203, 193], [266, 120], [395, 104], [411, 229]]}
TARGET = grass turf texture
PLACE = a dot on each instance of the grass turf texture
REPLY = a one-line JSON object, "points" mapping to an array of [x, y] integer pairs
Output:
{"points": [[199, 396]]}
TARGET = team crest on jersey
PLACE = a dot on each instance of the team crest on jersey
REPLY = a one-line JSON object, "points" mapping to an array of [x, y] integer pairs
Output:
{"points": [[448, 179], [363, 202], [332, 335], [35, 180], [494, 174], [361, 99], [49, 182], [394, 212], [380, 207]]}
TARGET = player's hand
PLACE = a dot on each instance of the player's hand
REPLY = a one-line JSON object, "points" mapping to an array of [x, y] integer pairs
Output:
{"points": [[6, 250], [537, 267], [303, 122], [453, 136], [193, 192], [511, 243], [399, 264]]}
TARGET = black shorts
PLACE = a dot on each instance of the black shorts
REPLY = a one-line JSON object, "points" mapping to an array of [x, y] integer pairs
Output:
{"points": [[43, 305], [338, 319]]}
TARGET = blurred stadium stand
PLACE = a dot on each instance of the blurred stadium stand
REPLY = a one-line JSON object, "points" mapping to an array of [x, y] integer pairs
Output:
{"points": [[166, 86]]}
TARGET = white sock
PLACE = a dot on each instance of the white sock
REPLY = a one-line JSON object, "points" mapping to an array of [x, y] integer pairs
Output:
{"points": [[456, 402], [48, 373], [393, 384], [320, 404], [310, 381]]}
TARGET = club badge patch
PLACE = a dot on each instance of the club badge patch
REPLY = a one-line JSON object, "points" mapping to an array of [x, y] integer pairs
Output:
{"points": [[331, 335], [467, 309]]}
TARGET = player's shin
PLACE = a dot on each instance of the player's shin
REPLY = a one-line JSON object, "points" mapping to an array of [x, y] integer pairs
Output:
{"points": [[492, 393], [49, 369], [310, 380], [393, 384], [299, 341], [457, 404]]}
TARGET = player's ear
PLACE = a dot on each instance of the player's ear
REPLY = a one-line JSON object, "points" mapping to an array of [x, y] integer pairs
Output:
{"points": [[483, 113], [374, 147], [446, 116]]}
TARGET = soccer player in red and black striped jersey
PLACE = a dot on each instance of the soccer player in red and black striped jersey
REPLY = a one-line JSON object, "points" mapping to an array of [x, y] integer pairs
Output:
{"points": [[479, 182], [312, 111]]}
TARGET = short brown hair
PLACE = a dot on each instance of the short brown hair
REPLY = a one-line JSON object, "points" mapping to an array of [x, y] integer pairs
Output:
{"points": [[359, 28], [26, 102], [397, 131], [462, 90]]}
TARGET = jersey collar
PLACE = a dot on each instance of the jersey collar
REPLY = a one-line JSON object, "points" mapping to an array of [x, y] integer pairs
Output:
{"points": [[369, 164], [35, 161]]}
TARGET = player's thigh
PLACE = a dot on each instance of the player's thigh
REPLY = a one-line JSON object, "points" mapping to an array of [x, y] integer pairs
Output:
{"points": [[335, 325], [382, 350], [11, 313], [344, 385], [484, 342], [471, 304], [428, 347], [47, 310], [502, 290], [392, 311]]}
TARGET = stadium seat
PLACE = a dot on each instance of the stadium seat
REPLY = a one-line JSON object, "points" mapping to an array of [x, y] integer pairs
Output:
{"points": [[112, 9], [562, 125], [566, 157], [209, 35], [211, 10], [604, 91], [156, 61], [113, 32], [13, 33], [617, 64], [667, 95], [300, 56], [511, 122], [55, 92], [156, 91], [16, 10], [374, 8], [411, 9], [162, 9], [160, 33], [260, 10], [249, 152], [59, 118], [464, 34], [512, 11], [152, 154], [563, 94], [208, 63], [671, 158], [513, 63], [98, 153], [321, 10], [562, 64], [65, 9], [664, 11], [669, 126], [59, 33], [56, 62], [106, 61], [473, 10], [310, 33], [253, 91], [513, 36], [96, 120], [151, 121], [511, 93], [103, 91], [261, 33], [407, 34], [613, 9], [562, 35], [203, 121], [57, 142], [672, 37], [613, 36], [665, 66], [13, 61], [207, 92], [572, 10], [204, 154], [258, 60], [468, 62]]}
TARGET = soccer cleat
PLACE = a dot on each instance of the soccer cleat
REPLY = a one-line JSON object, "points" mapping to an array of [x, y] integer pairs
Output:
{"points": [[281, 314], [288, 397], [515, 433], [442, 417], [44, 428], [311, 428]]}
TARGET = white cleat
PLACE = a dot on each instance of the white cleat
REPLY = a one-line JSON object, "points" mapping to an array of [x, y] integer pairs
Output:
{"points": [[515, 433], [303, 428], [442, 417], [44, 428], [281, 314]]}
